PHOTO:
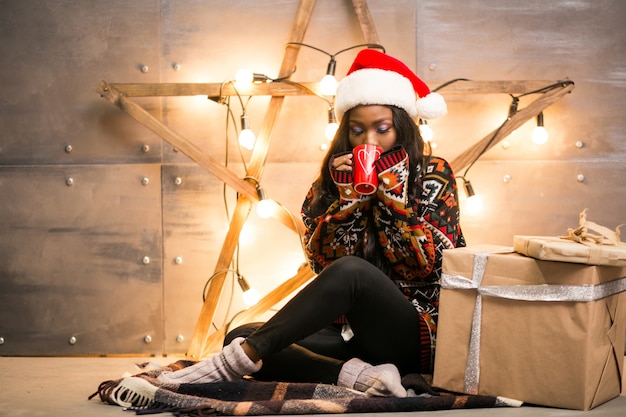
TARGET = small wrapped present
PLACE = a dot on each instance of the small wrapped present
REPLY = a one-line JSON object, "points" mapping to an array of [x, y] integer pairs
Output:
{"points": [[542, 332], [579, 246]]}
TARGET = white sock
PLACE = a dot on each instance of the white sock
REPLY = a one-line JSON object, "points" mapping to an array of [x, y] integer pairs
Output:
{"points": [[230, 364], [133, 392], [381, 380]]}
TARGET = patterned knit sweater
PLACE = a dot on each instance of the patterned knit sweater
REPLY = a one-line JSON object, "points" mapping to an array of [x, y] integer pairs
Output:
{"points": [[409, 235]]}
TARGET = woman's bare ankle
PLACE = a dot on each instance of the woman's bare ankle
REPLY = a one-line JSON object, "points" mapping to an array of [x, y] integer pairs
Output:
{"points": [[250, 351]]}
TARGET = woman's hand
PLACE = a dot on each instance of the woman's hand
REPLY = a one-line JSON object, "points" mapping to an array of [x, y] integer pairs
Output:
{"points": [[342, 162]]}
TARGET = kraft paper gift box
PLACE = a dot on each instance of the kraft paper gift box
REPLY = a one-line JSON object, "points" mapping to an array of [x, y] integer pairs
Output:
{"points": [[542, 332], [561, 249]]}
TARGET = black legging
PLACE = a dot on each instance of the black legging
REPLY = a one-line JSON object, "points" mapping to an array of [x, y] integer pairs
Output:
{"points": [[385, 324]]}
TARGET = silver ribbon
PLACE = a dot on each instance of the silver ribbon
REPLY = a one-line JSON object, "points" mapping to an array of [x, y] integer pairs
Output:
{"points": [[545, 292]]}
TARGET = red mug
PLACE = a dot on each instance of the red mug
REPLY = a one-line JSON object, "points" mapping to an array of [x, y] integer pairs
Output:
{"points": [[364, 175]]}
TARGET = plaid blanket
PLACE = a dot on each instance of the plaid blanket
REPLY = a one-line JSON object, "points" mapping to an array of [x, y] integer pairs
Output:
{"points": [[254, 398]]}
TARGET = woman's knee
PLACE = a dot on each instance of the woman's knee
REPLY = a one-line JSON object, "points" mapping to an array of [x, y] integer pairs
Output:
{"points": [[348, 266], [244, 330]]}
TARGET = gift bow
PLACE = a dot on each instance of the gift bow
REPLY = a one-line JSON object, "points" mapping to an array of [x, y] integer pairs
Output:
{"points": [[581, 233]]}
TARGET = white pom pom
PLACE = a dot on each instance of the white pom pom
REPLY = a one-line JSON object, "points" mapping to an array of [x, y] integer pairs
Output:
{"points": [[433, 106]]}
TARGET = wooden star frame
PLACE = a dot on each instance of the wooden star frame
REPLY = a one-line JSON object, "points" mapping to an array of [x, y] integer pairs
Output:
{"points": [[204, 343]]}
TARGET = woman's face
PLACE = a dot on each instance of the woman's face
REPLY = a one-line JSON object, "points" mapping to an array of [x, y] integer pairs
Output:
{"points": [[372, 124]]}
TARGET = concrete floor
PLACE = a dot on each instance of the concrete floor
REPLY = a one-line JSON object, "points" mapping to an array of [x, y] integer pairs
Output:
{"points": [[50, 387]]}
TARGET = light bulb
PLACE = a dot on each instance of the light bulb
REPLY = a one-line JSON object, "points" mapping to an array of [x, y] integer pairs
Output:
{"points": [[243, 78], [539, 134], [247, 139], [425, 131], [328, 85], [331, 129], [264, 208], [474, 204], [332, 126], [251, 297], [246, 136]]}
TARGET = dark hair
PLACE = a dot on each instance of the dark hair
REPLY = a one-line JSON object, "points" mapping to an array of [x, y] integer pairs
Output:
{"points": [[407, 136]]}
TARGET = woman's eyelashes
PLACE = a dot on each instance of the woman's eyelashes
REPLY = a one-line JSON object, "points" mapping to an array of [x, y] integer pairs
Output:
{"points": [[356, 130], [380, 130]]}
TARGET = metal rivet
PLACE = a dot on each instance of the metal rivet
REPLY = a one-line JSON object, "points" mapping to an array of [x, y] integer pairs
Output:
{"points": [[1, 340], [144, 68], [176, 66], [580, 178], [68, 148], [146, 260], [147, 339], [175, 149], [145, 181], [505, 144], [180, 338], [178, 181], [145, 148], [506, 178], [178, 260], [69, 181], [580, 144], [432, 66], [72, 340]]}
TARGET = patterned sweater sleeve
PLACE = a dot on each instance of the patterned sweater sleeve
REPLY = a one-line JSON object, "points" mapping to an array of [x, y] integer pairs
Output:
{"points": [[341, 230], [403, 235]]}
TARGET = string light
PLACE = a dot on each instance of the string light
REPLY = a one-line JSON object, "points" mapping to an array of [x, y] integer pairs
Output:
{"points": [[332, 126], [474, 202], [247, 138], [328, 84], [244, 78], [265, 206], [425, 131], [250, 295]]}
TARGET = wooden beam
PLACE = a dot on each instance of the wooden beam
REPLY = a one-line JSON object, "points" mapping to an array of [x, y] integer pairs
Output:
{"points": [[466, 87], [198, 344], [175, 139], [276, 88], [203, 324], [279, 88], [366, 22], [531, 110]]}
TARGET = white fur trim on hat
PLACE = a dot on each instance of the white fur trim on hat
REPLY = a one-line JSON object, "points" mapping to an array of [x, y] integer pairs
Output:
{"points": [[432, 106], [375, 86]]}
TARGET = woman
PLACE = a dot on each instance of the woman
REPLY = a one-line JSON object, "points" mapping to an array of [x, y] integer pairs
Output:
{"points": [[370, 315]]}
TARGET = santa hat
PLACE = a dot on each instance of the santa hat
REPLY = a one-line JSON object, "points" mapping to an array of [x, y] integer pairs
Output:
{"points": [[377, 78]]}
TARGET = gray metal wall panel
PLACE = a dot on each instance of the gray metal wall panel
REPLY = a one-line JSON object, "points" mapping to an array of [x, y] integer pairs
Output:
{"points": [[54, 54], [512, 40], [73, 260], [195, 222], [539, 198]]}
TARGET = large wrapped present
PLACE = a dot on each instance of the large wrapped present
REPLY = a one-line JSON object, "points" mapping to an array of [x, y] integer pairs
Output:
{"points": [[542, 332], [603, 247]]}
